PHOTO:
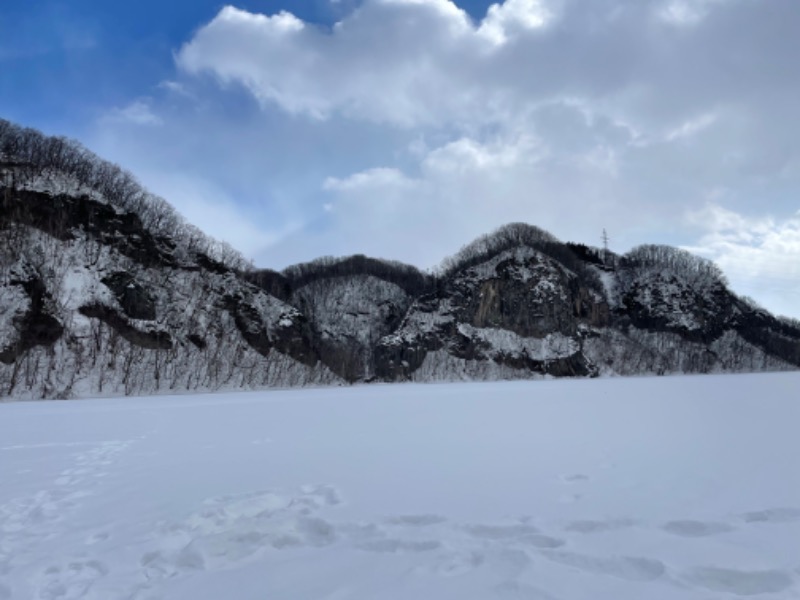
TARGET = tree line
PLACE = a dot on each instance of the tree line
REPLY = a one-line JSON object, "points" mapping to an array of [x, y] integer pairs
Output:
{"points": [[512, 236], [694, 270], [26, 154]]}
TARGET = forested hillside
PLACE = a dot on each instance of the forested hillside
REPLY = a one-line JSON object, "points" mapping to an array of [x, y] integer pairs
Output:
{"points": [[106, 290]]}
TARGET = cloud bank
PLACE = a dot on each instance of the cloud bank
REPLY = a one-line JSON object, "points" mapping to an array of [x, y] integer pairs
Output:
{"points": [[408, 127]]}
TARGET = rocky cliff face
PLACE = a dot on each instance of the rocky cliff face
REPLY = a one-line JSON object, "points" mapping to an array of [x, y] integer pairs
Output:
{"points": [[105, 291], [520, 309], [349, 315], [93, 303]]}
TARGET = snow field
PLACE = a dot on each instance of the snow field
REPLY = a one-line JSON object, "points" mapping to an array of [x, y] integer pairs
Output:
{"points": [[664, 488]]}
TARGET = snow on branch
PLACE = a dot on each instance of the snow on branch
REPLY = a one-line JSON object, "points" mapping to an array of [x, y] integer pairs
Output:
{"points": [[408, 277], [695, 270], [61, 165]]}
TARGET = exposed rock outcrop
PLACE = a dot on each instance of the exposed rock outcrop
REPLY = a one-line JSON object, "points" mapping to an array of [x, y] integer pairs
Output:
{"points": [[35, 326], [105, 290]]}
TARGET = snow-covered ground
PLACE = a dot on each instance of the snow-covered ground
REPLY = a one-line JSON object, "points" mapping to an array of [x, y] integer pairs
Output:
{"points": [[659, 488]]}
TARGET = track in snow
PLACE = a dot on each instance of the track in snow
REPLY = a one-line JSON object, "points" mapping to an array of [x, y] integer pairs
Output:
{"points": [[658, 488]]}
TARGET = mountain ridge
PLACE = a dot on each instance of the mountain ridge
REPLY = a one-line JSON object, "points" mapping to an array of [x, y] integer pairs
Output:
{"points": [[106, 290]]}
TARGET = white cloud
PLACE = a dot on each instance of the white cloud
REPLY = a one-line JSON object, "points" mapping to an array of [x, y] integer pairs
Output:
{"points": [[465, 188], [691, 127], [685, 13], [425, 63], [405, 62], [370, 180], [212, 210], [466, 155], [176, 87], [761, 255], [408, 127], [503, 20], [138, 112]]}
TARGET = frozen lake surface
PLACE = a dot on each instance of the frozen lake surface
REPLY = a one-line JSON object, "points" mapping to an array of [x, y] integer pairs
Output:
{"points": [[662, 488]]}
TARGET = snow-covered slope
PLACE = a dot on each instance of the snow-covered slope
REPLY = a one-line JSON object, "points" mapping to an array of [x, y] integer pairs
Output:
{"points": [[349, 315], [625, 489], [520, 309], [95, 303], [104, 289], [125, 328]]}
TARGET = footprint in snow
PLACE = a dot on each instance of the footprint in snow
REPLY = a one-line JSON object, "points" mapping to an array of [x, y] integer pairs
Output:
{"points": [[500, 532], [361, 532], [416, 520], [696, 528], [507, 563], [234, 528], [738, 582], [590, 526], [458, 563], [97, 538], [72, 581], [773, 515], [67, 479], [399, 546], [156, 565], [630, 568], [542, 542]]}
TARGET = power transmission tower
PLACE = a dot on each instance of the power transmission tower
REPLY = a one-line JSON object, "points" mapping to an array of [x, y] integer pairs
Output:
{"points": [[605, 245]]}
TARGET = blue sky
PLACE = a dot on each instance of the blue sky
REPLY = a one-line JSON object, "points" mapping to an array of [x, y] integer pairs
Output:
{"points": [[405, 128], [66, 61], [69, 60]]}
